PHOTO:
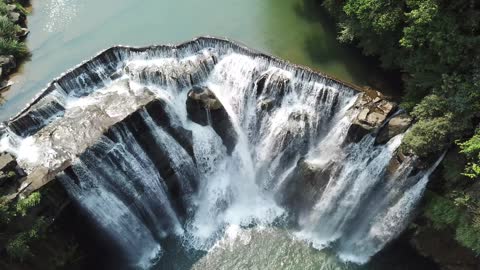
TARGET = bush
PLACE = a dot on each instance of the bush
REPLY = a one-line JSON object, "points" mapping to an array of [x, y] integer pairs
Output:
{"points": [[3, 8], [442, 212], [428, 137], [13, 47], [431, 106], [24, 205], [471, 149], [8, 30], [468, 235]]}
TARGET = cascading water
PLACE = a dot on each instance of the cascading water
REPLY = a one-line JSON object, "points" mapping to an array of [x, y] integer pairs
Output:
{"points": [[157, 172]]}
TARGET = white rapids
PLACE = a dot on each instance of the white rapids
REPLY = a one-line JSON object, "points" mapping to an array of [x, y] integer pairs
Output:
{"points": [[140, 180]]}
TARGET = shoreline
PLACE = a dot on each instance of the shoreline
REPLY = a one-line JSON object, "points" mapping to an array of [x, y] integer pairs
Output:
{"points": [[10, 60]]}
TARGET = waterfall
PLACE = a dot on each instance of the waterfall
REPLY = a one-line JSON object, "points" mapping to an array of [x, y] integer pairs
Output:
{"points": [[149, 170]]}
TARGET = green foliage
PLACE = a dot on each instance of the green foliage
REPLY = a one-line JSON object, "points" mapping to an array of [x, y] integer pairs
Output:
{"points": [[379, 15], [13, 47], [25, 204], [5, 214], [460, 212], [19, 248], [468, 235], [471, 149], [3, 8], [436, 44], [428, 137], [21, 9], [442, 212], [430, 107], [8, 30]]}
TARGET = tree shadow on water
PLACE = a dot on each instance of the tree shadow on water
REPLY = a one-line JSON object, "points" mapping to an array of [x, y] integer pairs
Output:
{"points": [[321, 49], [309, 10]]}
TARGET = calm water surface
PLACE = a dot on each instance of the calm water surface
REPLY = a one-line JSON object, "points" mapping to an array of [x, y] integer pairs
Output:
{"points": [[66, 32]]}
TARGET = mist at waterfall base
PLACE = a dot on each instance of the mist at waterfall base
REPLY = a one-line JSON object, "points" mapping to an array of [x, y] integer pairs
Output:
{"points": [[166, 192]]}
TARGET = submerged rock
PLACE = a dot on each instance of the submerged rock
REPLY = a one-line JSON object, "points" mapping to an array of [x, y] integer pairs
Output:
{"points": [[204, 108]]}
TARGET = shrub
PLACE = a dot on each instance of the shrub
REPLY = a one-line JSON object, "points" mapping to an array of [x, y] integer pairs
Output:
{"points": [[13, 47], [8, 30], [3, 8], [468, 235], [428, 137], [431, 106], [442, 212], [24, 205], [471, 149]]}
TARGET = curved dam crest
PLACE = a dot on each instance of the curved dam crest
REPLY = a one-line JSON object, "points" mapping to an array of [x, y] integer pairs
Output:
{"points": [[185, 141]]}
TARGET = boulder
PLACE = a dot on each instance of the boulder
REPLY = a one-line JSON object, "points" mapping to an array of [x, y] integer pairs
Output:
{"points": [[11, 7], [15, 17], [7, 162], [205, 97], [396, 125], [7, 65], [373, 111], [204, 108], [15, 14], [23, 33], [303, 187]]}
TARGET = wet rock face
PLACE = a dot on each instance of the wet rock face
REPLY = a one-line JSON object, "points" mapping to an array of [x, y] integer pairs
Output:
{"points": [[395, 126], [302, 188], [204, 108], [373, 113]]}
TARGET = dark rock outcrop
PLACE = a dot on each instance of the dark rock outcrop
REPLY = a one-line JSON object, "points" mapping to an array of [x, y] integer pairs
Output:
{"points": [[396, 125], [374, 110], [11, 176], [303, 187], [7, 65], [204, 108]]}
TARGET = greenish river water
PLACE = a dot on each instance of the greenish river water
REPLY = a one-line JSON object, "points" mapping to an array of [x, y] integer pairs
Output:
{"points": [[66, 32]]}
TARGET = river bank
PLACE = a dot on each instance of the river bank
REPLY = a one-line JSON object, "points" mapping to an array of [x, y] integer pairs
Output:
{"points": [[13, 51]]}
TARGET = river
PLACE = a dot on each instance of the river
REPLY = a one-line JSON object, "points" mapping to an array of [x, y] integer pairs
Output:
{"points": [[66, 32]]}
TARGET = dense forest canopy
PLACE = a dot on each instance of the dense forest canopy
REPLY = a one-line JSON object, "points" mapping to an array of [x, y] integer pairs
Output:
{"points": [[436, 45]]}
